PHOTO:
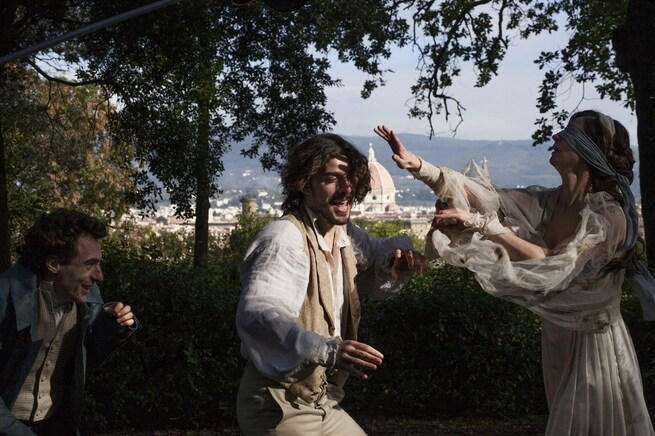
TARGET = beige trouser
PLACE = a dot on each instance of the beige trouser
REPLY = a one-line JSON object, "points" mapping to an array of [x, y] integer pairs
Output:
{"points": [[266, 408]]}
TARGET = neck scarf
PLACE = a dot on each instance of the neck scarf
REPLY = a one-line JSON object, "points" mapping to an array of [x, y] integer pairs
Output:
{"points": [[642, 281]]}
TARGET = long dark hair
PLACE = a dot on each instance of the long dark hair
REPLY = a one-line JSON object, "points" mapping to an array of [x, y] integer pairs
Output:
{"points": [[308, 158]]}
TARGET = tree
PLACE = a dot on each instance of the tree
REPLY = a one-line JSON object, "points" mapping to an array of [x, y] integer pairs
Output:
{"points": [[58, 152], [193, 79], [634, 42], [24, 23], [611, 48]]}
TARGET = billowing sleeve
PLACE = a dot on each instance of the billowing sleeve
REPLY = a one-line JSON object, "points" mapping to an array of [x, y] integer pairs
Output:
{"points": [[470, 189], [374, 259], [598, 240], [275, 275]]}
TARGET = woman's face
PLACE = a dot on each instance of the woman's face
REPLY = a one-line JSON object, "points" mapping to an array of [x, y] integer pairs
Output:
{"points": [[563, 157]]}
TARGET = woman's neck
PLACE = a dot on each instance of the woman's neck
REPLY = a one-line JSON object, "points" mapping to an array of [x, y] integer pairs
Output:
{"points": [[575, 188]]}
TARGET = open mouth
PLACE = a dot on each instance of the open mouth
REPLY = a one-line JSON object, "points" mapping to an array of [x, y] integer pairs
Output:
{"points": [[342, 204]]}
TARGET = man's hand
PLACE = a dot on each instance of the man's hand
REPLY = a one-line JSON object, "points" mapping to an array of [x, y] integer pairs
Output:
{"points": [[122, 313], [355, 357], [407, 261]]}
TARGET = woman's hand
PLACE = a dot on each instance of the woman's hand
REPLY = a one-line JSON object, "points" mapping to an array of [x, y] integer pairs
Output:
{"points": [[404, 158], [451, 219]]}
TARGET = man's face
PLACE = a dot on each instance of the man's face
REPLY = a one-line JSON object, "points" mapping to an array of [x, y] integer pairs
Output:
{"points": [[72, 282], [329, 194]]}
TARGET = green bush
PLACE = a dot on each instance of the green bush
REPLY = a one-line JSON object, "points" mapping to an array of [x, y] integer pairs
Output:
{"points": [[450, 349], [183, 368]]}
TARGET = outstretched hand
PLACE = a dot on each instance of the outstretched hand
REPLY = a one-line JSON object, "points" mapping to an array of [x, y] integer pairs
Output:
{"points": [[407, 261], [404, 158], [355, 357], [452, 219]]}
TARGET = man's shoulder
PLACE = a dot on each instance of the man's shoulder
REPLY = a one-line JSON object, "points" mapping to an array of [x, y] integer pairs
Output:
{"points": [[282, 230], [18, 276], [17, 284]]}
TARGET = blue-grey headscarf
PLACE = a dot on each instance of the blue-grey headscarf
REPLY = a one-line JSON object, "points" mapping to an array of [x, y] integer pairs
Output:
{"points": [[642, 281]]}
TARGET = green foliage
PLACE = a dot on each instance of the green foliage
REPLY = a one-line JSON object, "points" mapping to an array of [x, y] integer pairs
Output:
{"points": [[194, 78], [450, 349], [184, 366], [385, 229], [58, 152], [588, 57]]}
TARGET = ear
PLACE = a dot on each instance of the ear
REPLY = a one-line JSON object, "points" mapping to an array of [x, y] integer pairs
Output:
{"points": [[52, 265], [307, 190]]}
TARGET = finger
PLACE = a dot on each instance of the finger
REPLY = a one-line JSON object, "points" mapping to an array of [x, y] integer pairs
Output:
{"points": [[366, 359], [409, 258], [369, 350], [356, 372], [124, 310], [127, 323], [350, 347], [114, 309], [421, 265], [125, 317]]}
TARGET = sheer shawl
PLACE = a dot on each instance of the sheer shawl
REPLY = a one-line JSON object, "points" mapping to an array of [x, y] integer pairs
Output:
{"points": [[569, 289]]}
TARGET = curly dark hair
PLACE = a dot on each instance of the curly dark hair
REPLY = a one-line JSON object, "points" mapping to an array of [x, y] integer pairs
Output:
{"points": [[56, 234], [308, 158], [619, 154]]}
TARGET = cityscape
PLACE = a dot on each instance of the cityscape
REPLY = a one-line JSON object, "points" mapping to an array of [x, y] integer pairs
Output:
{"points": [[396, 197]]}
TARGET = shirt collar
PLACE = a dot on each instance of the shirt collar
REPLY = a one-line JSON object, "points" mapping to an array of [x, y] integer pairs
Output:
{"points": [[48, 290], [340, 236]]}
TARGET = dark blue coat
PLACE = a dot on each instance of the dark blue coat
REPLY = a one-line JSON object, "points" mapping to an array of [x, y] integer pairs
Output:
{"points": [[98, 335]]}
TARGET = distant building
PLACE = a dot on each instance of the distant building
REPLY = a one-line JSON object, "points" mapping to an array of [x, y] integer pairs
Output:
{"points": [[382, 198]]}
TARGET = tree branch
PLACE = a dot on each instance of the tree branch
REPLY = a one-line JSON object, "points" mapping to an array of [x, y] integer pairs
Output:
{"points": [[61, 80]]}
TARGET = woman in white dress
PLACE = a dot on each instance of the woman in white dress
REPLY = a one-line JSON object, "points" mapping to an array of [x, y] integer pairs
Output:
{"points": [[563, 253]]}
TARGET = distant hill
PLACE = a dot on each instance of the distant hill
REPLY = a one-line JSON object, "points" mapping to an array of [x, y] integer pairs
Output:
{"points": [[511, 163]]}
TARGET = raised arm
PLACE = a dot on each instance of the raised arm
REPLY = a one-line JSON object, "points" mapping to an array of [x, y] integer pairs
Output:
{"points": [[401, 155]]}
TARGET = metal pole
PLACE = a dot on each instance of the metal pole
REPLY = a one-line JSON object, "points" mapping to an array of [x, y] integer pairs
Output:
{"points": [[86, 30]]}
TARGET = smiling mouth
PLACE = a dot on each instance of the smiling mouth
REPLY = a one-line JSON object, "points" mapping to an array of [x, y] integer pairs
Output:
{"points": [[342, 204]]}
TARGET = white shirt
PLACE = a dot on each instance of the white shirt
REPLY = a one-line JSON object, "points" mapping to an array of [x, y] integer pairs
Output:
{"points": [[275, 276]]}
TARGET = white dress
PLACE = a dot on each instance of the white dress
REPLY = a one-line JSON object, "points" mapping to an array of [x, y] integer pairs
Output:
{"points": [[591, 374]]}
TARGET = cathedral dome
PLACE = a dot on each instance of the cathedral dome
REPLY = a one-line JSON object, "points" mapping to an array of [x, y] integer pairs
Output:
{"points": [[380, 177], [382, 197]]}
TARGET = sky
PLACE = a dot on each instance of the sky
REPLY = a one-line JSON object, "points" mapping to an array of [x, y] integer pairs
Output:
{"points": [[502, 110]]}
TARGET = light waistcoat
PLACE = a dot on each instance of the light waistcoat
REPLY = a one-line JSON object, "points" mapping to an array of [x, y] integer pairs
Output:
{"points": [[46, 384], [316, 312]]}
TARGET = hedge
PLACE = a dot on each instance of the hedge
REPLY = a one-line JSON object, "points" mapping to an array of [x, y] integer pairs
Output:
{"points": [[450, 349]]}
